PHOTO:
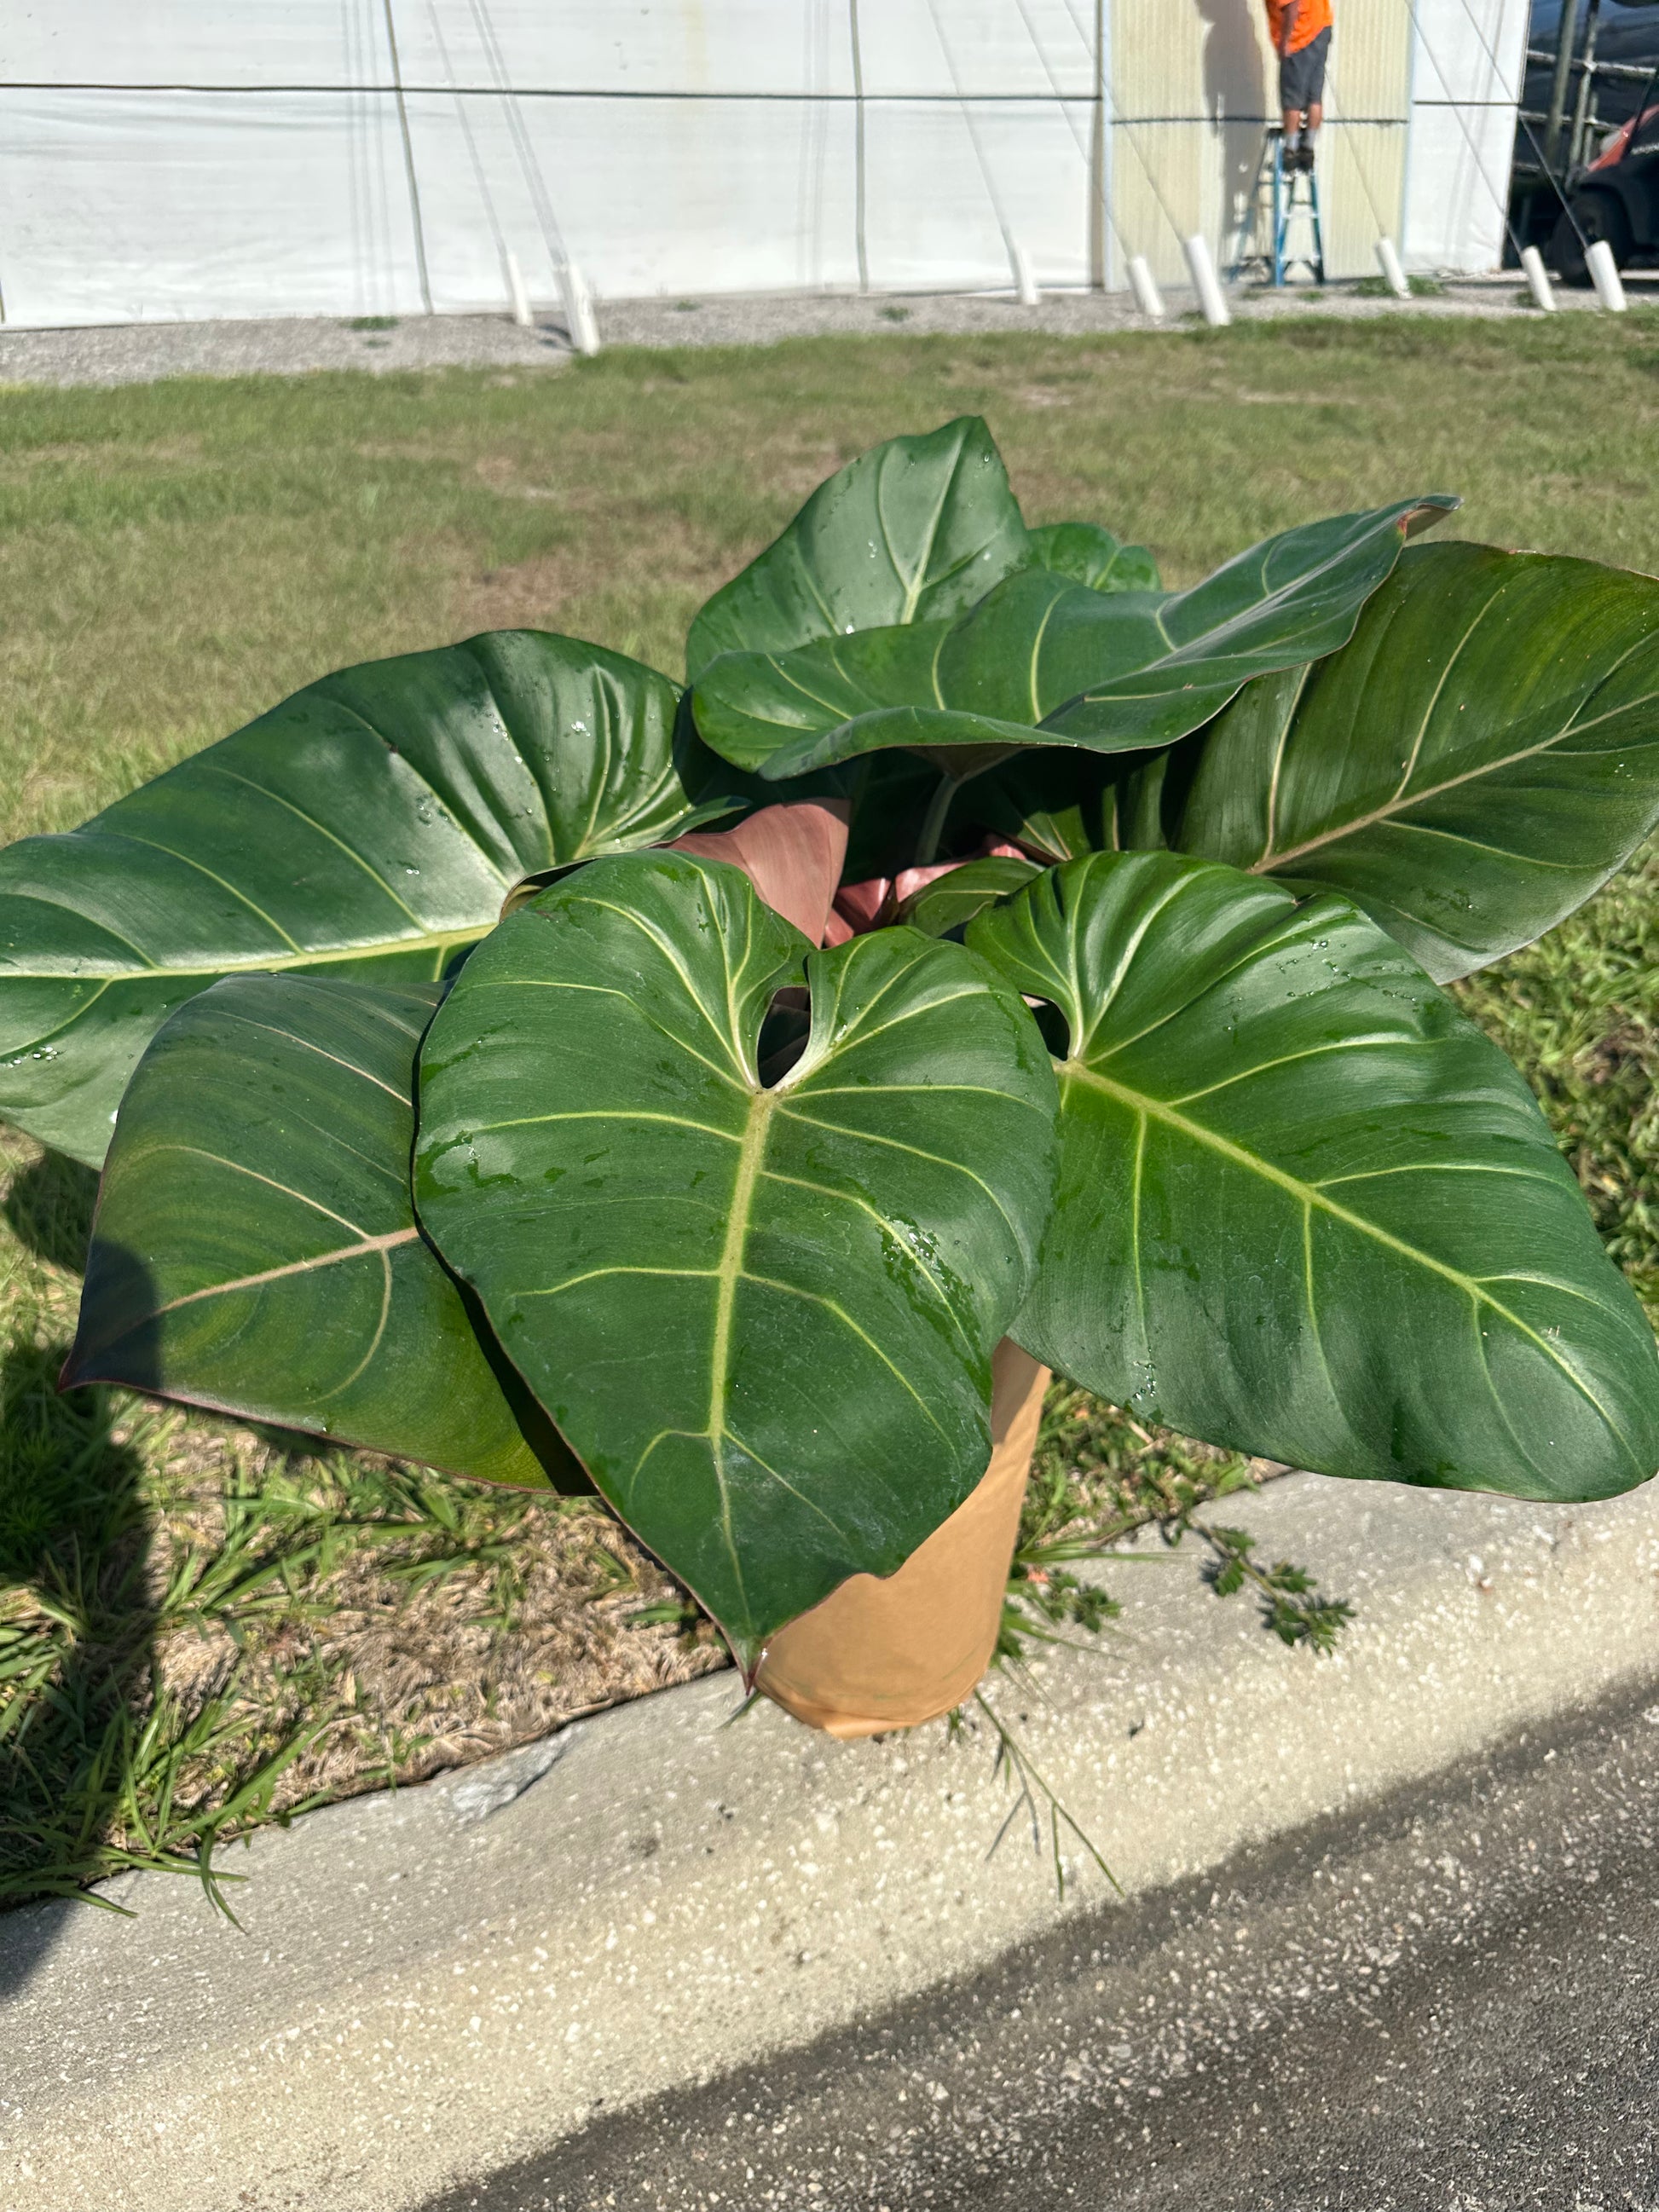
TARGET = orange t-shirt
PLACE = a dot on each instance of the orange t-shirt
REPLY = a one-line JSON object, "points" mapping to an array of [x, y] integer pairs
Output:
{"points": [[1312, 17]]}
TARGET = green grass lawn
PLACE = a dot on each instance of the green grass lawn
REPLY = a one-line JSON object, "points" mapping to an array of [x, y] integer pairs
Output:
{"points": [[198, 1624]]}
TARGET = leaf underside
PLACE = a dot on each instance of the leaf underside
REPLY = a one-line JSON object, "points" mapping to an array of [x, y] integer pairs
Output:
{"points": [[764, 1318], [255, 1248], [369, 827], [1469, 769], [1304, 1207]]}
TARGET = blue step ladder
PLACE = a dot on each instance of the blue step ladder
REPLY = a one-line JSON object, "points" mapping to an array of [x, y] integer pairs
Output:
{"points": [[1280, 229]]}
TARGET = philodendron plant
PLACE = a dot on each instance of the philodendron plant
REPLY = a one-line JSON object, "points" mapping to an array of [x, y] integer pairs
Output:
{"points": [[1067, 967]]}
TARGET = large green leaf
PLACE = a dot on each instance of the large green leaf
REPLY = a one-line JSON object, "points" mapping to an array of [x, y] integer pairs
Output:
{"points": [[369, 826], [255, 1248], [1090, 555], [1482, 756], [763, 1318], [914, 529], [1043, 659], [1304, 1207]]}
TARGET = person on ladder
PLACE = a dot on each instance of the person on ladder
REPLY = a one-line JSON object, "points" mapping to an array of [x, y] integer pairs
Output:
{"points": [[1300, 32]]}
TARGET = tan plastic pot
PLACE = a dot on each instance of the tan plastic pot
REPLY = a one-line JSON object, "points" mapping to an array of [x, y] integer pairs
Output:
{"points": [[891, 1652]]}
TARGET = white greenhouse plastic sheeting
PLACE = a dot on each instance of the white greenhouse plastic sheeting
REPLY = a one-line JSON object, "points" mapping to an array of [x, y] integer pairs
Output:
{"points": [[207, 158]]}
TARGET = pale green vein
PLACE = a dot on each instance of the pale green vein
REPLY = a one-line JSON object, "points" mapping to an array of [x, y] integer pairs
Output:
{"points": [[1308, 1194], [307, 1044], [597, 1274], [863, 1206], [237, 1167], [1435, 1167], [896, 1145], [375, 1341], [201, 868], [215, 767], [1293, 1059], [443, 940], [610, 1114], [841, 1314], [784, 1483], [369, 1245], [728, 1274]]}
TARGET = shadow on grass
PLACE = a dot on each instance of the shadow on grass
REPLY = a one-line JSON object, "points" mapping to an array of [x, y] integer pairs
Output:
{"points": [[77, 1628], [48, 1208]]}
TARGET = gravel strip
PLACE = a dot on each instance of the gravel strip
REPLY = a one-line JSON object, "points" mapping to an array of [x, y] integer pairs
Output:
{"points": [[141, 353]]}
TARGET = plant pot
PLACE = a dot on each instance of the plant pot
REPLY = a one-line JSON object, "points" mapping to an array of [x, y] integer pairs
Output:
{"points": [[891, 1652]]}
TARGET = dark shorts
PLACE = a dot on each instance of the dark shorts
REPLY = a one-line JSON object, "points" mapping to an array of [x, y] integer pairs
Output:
{"points": [[1302, 75]]}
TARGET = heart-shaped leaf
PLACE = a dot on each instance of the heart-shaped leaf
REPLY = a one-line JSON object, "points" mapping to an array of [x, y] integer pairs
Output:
{"points": [[1043, 660], [369, 826], [1305, 1208], [913, 529], [255, 1248], [765, 1318], [1089, 555], [1469, 769]]}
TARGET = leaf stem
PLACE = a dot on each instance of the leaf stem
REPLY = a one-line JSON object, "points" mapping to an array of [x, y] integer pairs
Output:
{"points": [[932, 825]]}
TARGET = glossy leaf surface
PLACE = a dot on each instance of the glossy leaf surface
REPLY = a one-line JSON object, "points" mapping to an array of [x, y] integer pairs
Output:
{"points": [[956, 898], [1044, 660], [255, 1248], [1090, 555], [370, 826], [763, 1318], [1305, 1208], [913, 530], [1469, 769]]}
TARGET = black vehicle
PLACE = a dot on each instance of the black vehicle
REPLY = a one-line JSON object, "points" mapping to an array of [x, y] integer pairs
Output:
{"points": [[1616, 197], [1597, 176]]}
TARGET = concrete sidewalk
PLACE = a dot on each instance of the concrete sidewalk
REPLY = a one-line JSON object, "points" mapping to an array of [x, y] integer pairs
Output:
{"points": [[434, 1985]]}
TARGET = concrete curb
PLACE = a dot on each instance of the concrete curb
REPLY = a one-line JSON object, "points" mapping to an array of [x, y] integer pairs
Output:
{"points": [[436, 1982]]}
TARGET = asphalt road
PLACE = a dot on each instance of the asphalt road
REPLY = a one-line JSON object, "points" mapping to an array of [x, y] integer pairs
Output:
{"points": [[1450, 2002]]}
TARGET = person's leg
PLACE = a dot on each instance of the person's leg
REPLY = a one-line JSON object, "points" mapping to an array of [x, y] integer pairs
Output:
{"points": [[1311, 88]]}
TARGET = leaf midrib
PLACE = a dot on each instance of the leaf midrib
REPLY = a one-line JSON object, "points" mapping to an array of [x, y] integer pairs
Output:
{"points": [[1310, 1195], [1383, 816], [728, 1274], [253, 963]]}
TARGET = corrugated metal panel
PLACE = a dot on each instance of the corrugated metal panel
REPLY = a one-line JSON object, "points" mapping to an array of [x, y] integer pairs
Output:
{"points": [[1194, 89]]}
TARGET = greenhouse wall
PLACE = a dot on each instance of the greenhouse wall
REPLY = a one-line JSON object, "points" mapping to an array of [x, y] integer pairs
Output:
{"points": [[195, 158]]}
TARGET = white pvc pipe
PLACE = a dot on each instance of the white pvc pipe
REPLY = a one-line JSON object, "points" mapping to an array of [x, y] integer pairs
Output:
{"points": [[1538, 279], [1144, 285], [1207, 284], [520, 298], [1392, 274], [1025, 284], [579, 318], [1604, 275]]}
